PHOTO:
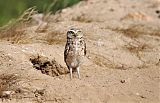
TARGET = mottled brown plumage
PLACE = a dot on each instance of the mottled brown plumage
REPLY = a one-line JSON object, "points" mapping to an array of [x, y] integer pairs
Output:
{"points": [[75, 50]]}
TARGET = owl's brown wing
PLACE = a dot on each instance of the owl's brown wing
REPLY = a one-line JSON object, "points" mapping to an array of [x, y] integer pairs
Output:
{"points": [[85, 51], [66, 51]]}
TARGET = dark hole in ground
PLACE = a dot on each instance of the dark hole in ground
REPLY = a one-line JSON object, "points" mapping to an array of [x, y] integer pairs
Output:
{"points": [[48, 67]]}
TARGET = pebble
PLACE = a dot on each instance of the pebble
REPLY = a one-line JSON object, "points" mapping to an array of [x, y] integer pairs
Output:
{"points": [[122, 81]]}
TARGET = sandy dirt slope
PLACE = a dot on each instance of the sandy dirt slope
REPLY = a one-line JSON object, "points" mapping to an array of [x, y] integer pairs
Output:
{"points": [[122, 63]]}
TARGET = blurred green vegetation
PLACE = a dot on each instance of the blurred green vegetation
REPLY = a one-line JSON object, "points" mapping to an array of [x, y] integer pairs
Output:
{"points": [[11, 9]]}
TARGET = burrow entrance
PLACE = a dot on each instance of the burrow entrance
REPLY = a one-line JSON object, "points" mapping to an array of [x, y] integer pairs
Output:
{"points": [[47, 66]]}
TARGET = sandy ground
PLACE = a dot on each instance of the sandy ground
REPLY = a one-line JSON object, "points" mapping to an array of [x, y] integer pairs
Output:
{"points": [[122, 63]]}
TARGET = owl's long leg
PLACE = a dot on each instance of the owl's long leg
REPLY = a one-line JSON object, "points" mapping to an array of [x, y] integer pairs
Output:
{"points": [[78, 72], [70, 72]]}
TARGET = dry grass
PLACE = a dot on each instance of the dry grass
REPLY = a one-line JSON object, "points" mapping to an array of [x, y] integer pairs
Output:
{"points": [[105, 62], [13, 34], [15, 31], [136, 48], [134, 31], [55, 37], [6, 81], [82, 18]]}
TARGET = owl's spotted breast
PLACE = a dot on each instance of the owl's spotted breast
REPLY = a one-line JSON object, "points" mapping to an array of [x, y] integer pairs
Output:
{"points": [[74, 53]]}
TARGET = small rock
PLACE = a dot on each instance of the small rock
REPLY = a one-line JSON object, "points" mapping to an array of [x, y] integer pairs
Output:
{"points": [[157, 11], [111, 9], [122, 81], [39, 92], [142, 96], [137, 93], [6, 94]]}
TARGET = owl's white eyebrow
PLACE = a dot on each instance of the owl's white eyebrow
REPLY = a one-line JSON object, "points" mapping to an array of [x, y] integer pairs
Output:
{"points": [[72, 31], [78, 31], [75, 31]]}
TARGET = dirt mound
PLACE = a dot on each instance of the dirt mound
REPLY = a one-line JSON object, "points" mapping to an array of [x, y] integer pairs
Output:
{"points": [[121, 66], [48, 67]]}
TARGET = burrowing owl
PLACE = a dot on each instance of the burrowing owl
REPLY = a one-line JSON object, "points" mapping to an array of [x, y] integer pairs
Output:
{"points": [[75, 50]]}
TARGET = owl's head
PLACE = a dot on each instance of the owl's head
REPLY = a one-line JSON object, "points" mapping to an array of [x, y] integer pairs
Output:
{"points": [[74, 33]]}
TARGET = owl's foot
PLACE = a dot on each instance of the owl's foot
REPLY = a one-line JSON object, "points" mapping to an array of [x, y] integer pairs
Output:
{"points": [[70, 72], [78, 73]]}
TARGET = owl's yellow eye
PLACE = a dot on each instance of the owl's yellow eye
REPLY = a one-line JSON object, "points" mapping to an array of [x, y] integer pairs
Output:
{"points": [[79, 34], [70, 34]]}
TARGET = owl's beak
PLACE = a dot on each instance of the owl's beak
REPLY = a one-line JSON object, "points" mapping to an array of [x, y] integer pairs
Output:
{"points": [[75, 35]]}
